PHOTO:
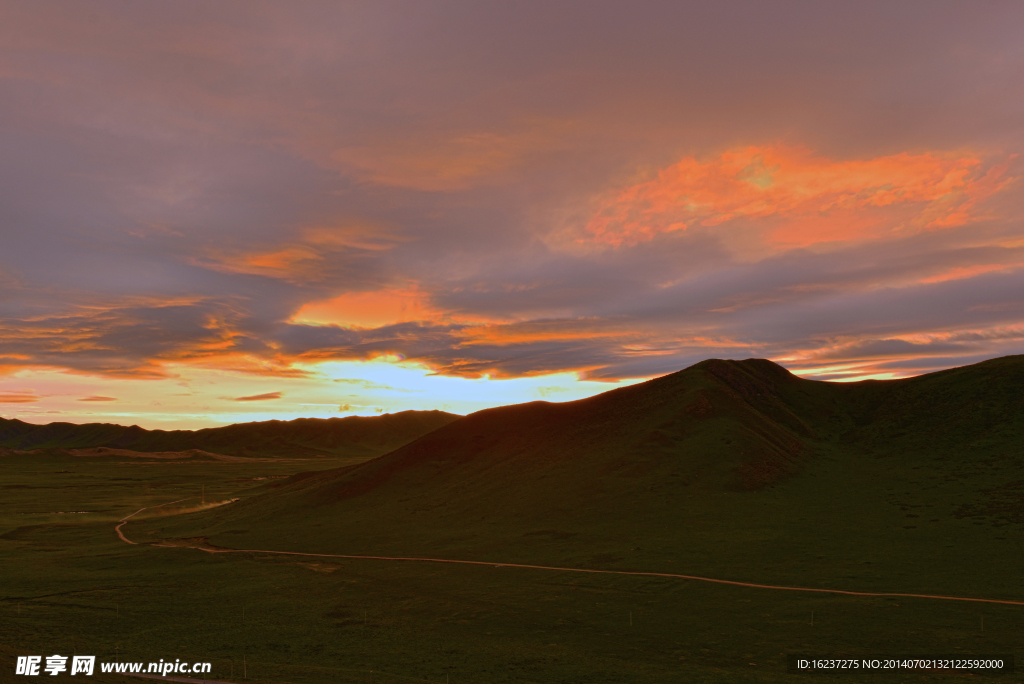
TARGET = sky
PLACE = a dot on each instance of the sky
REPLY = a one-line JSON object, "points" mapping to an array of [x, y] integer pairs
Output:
{"points": [[244, 210]]}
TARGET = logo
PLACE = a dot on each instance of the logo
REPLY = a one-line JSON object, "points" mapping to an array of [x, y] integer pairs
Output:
{"points": [[55, 664]]}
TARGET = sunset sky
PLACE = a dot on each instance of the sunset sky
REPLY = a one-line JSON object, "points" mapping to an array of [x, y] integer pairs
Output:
{"points": [[242, 210]]}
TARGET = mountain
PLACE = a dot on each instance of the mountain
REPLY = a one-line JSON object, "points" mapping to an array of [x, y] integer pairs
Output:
{"points": [[350, 436], [720, 468]]}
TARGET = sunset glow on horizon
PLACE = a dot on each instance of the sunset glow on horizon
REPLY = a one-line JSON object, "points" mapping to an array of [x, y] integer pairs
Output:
{"points": [[248, 211], [193, 398]]}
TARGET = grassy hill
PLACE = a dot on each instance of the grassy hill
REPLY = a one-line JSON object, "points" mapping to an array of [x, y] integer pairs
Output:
{"points": [[730, 467], [353, 436]]}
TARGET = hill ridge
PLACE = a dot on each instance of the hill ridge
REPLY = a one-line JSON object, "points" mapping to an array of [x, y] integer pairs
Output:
{"points": [[350, 436]]}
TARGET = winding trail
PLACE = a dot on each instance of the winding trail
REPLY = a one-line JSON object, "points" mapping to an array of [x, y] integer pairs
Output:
{"points": [[124, 520], [635, 573]]}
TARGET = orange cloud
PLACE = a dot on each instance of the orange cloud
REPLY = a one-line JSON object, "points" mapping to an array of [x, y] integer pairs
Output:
{"points": [[379, 308], [246, 364], [369, 309], [962, 272], [308, 258], [799, 199], [261, 397], [19, 397], [98, 398], [283, 260]]}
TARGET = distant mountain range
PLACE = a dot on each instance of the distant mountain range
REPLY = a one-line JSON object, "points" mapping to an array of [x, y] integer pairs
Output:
{"points": [[351, 436]]}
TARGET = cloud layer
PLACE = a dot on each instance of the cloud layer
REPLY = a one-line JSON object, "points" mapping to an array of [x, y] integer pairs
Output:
{"points": [[506, 191]]}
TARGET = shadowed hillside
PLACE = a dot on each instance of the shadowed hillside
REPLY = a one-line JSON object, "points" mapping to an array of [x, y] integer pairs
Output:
{"points": [[950, 414], [354, 436], [719, 424], [724, 465]]}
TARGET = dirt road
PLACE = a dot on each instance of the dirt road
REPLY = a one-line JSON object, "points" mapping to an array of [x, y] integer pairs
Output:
{"points": [[124, 520], [636, 573]]}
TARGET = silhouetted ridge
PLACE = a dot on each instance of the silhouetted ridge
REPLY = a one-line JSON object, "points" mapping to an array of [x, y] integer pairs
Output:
{"points": [[717, 424], [350, 436]]}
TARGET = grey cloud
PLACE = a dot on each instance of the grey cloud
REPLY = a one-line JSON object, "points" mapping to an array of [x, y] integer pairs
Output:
{"points": [[987, 300], [888, 348], [935, 363], [411, 340], [540, 283]]}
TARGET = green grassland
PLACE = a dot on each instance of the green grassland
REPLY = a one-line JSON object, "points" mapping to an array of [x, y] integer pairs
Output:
{"points": [[733, 470]]}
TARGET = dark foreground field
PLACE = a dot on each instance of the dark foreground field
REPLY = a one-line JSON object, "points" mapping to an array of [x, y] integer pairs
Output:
{"points": [[874, 492]]}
